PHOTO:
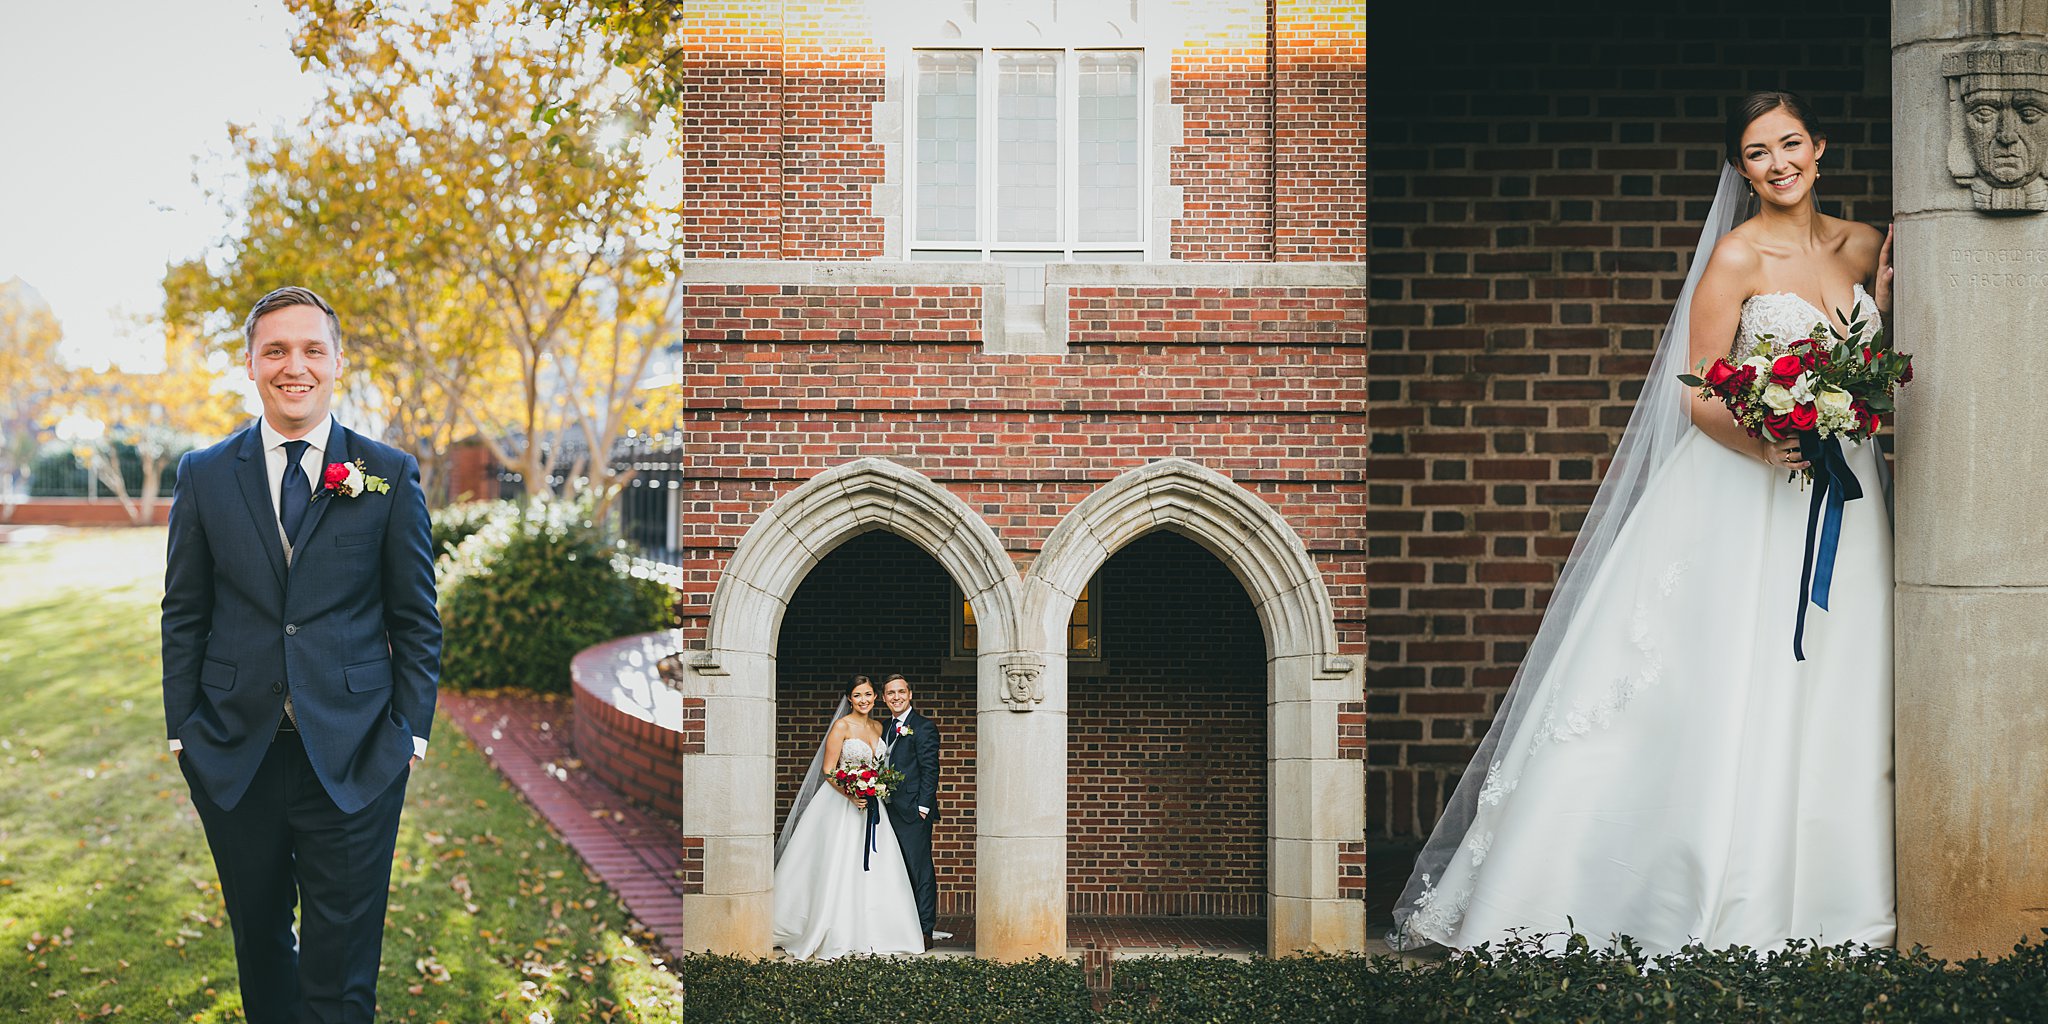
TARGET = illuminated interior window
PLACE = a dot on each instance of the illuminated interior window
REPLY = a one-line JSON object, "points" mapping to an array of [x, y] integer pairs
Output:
{"points": [[1084, 628]]}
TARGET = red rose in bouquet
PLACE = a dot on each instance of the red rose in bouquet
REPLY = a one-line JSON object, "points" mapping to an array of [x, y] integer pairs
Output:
{"points": [[1786, 369]]}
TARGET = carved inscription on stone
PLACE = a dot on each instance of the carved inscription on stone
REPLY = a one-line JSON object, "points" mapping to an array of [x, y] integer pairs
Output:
{"points": [[1998, 124], [1996, 268]]}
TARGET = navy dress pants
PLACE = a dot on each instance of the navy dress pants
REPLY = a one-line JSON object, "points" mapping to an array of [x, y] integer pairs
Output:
{"points": [[914, 836], [286, 844]]}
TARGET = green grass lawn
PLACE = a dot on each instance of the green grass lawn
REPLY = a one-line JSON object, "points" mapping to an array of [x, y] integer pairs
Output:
{"points": [[109, 905]]}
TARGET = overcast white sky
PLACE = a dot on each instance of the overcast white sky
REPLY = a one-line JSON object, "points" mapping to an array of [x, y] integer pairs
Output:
{"points": [[109, 104]]}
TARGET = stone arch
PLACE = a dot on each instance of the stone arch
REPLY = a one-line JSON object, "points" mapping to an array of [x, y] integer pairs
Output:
{"points": [[1316, 799], [1237, 526], [729, 776], [805, 525]]}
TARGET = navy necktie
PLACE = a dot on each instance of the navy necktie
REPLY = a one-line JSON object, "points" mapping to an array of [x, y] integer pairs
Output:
{"points": [[294, 493]]}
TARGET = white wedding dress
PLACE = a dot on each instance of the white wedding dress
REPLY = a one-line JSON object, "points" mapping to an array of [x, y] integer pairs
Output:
{"points": [[826, 905], [1678, 776]]}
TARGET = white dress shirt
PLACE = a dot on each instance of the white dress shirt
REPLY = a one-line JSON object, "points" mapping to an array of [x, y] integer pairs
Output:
{"points": [[312, 464]]}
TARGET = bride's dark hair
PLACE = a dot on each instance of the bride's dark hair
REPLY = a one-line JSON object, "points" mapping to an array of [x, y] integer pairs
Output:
{"points": [[1747, 109], [857, 683]]}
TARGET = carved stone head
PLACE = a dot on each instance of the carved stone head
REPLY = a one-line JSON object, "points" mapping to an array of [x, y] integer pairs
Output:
{"points": [[1998, 138], [1021, 686]]}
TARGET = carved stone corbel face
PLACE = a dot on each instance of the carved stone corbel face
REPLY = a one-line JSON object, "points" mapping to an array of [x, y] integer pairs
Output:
{"points": [[1998, 115], [1022, 689]]}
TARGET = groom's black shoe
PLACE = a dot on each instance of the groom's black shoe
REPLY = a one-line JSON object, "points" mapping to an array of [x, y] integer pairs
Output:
{"points": [[927, 940]]}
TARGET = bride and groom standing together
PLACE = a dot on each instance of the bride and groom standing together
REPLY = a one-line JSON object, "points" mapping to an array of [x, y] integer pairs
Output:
{"points": [[843, 884]]}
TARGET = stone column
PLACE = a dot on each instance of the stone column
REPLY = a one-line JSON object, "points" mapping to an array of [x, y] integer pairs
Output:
{"points": [[1972, 557], [729, 804], [1020, 806], [1315, 802]]}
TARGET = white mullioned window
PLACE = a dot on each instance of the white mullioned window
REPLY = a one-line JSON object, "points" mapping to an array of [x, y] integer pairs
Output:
{"points": [[1027, 155]]}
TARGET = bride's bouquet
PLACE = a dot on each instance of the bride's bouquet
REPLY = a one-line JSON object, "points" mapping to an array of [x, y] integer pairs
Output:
{"points": [[869, 778], [1827, 385]]}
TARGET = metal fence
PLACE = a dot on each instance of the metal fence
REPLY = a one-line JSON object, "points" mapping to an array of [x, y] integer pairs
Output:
{"points": [[61, 474], [650, 511]]}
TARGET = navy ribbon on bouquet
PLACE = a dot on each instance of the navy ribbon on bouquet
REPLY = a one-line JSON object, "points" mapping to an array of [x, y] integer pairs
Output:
{"points": [[1834, 484], [874, 818]]}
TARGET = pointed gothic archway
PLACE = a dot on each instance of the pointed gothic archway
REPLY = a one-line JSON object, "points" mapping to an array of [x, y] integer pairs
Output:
{"points": [[1315, 799], [729, 778]]}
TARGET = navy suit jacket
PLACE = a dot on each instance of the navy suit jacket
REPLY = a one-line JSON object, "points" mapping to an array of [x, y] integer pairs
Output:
{"points": [[350, 626], [917, 757]]}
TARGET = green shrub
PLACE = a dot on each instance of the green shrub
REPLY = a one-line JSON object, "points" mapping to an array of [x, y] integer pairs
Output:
{"points": [[453, 524], [524, 593], [882, 990], [1813, 985]]}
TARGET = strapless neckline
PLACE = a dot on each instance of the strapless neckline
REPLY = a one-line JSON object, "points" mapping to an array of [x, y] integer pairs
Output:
{"points": [[1856, 297], [1789, 316]]}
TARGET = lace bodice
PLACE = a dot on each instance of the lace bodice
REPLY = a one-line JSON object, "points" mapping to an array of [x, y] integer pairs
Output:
{"points": [[854, 750], [1787, 318]]}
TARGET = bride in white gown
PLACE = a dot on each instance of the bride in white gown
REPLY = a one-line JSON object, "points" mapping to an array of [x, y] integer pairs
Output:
{"points": [[834, 894], [1662, 767]]}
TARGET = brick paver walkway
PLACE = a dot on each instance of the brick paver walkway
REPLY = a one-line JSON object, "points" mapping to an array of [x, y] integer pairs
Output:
{"points": [[636, 852]]}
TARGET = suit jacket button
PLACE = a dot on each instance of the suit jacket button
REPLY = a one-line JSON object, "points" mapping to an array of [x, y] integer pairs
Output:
{"points": [[291, 630], [277, 687]]}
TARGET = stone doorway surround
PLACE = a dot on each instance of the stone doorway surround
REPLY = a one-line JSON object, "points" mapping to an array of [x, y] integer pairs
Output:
{"points": [[1316, 799]]}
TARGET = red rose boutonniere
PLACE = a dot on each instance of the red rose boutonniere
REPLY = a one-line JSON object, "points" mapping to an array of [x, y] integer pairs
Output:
{"points": [[349, 479]]}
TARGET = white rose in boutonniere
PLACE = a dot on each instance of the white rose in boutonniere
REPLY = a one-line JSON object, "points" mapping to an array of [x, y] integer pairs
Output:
{"points": [[350, 479], [903, 730]]}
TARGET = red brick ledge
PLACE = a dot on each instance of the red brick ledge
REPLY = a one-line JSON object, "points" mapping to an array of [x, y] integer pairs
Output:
{"points": [[637, 853], [631, 728]]}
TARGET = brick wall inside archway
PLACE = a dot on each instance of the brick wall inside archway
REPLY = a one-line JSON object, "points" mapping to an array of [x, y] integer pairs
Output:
{"points": [[1166, 748]]}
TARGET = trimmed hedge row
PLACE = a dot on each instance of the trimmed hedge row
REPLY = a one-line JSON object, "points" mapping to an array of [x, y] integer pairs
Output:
{"points": [[1518, 983], [882, 990]]}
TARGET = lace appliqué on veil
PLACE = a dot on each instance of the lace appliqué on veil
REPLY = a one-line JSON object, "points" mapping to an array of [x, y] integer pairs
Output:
{"points": [[1598, 710], [1496, 787], [1438, 912]]}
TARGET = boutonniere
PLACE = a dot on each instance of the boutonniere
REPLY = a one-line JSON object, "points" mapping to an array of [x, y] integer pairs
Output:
{"points": [[349, 479], [902, 729]]}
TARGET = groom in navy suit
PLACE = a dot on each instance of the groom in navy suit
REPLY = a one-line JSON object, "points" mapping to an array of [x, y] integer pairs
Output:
{"points": [[301, 650], [914, 750]]}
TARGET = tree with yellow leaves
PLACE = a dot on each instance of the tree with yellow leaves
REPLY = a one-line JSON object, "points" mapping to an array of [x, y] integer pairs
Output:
{"points": [[474, 195], [29, 377], [161, 415]]}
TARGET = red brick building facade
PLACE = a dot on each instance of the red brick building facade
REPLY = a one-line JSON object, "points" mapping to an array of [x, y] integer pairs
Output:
{"points": [[1025, 355]]}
